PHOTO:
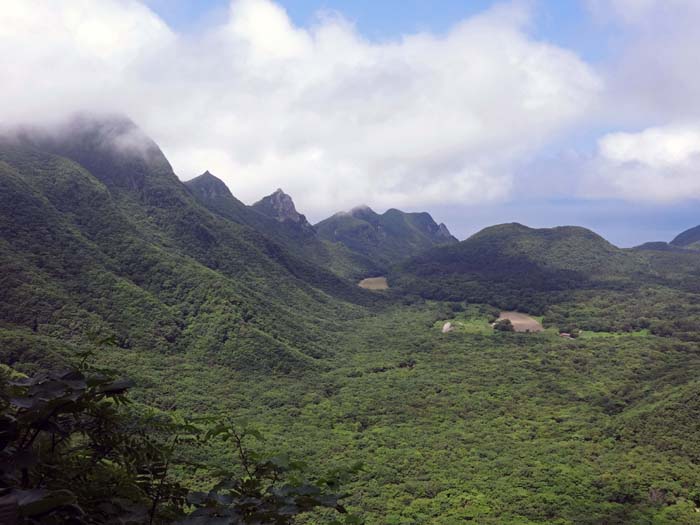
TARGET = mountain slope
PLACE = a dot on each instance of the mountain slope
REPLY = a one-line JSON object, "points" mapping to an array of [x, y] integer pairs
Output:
{"points": [[99, 237], [297, 236], [688, 239], [509, 263], [280, 207], [386, 238]]}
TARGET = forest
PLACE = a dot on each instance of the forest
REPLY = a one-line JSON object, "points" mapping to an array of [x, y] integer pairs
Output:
{"points": [[171, 355]]}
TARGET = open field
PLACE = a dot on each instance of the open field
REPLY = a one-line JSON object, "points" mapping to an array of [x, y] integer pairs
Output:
{"points": [[374, 283], [522, 322]]}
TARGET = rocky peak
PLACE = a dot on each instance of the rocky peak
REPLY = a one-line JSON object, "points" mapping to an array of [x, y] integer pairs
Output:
{"points": [[279, 206], [209, 186], [444, 233]]}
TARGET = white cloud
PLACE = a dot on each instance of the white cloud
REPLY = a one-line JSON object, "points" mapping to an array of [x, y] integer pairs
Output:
{"points": [[654, 74], [659, 164], [331, 117]]}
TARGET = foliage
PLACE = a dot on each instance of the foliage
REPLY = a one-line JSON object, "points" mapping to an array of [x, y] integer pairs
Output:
{"points": [[213, 313], [71, 451], [72, 454], [267, 491], [504, 325], [385, 239]]}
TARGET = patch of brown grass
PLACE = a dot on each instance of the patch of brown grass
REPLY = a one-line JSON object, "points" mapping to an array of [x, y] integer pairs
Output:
{"points": [[374, 283]]}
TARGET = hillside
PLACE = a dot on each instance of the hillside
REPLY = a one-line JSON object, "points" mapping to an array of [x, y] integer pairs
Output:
{"points": [[100, 239], [387, 238], [688, 239], [512, 265], [222, 311], [297, 236]]}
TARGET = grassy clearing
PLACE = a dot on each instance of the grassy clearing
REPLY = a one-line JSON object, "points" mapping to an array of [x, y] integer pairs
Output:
{"points": [[374, 283], [522, 322]]}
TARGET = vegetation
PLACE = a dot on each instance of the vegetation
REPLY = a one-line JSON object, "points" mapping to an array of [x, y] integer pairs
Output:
{"points": [[688, 239], [229, 324], [387, 238], [73, 450], [504, 325], [298, 238]]}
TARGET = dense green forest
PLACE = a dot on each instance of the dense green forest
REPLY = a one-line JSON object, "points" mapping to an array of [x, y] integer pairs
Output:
{"points": [[171, 355]]}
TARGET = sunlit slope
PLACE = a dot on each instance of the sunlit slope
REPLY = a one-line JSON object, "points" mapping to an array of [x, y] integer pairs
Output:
{"points": [[100, 239]]}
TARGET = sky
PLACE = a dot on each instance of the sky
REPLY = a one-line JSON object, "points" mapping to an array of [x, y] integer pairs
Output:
{"points": [[541, 112]]}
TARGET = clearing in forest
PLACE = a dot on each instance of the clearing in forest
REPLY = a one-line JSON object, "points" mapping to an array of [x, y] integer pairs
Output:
{"points": [[522, 322], [374, 283]]}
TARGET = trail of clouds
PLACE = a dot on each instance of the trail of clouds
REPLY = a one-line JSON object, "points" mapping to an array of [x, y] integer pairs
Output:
{"points": [[332, 117]]}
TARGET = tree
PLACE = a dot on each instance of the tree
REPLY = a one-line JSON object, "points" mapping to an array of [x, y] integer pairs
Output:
{"points": [[504, 325], [73, 450]]}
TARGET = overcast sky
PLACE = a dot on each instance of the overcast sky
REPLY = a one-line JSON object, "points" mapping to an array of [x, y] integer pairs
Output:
{"points": [[569, 112]]}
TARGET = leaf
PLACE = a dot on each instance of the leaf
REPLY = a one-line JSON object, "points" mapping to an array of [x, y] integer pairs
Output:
{"points": [[197, 498], [24, 402], [116, 387], [39, 501], [255, 433]]}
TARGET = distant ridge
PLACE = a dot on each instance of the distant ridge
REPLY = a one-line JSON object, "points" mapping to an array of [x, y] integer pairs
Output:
{"points": [[688, 239], [280, 206], [659, 246], [512, 264], [276, 217], [387, 238], [112, 242]]}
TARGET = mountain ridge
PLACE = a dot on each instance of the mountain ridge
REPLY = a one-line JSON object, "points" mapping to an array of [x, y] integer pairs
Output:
{"points": [[689, 239], [388, 237], [123, 248]]}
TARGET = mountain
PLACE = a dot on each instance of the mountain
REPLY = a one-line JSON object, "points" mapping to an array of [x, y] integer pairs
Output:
{"points": [[280, 206], [688, 239], [226, 319], [276, 217], [659, 246], [386, 238], [98, 237], [512, 263]]}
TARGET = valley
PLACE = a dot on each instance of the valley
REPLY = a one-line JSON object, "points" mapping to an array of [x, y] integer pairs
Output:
{"points": [[217, 310]]}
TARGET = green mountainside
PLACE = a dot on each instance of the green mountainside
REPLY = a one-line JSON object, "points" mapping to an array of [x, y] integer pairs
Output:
{"points": [[100, 236], [298, 237], [387, 238], [688, 239], [249, 319], [513, 265]]}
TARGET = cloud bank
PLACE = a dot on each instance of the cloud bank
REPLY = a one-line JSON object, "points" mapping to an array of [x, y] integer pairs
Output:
{"points": [[333, 118], [459, 118], [658, 164]]}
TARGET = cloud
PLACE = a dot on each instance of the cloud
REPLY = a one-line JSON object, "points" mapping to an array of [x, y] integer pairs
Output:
{"points": [[654, 75], [659, 164], [330, 116]]}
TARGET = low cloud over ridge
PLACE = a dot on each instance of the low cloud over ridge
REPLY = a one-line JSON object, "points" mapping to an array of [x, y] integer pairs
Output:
{"points": [[332, 117]]}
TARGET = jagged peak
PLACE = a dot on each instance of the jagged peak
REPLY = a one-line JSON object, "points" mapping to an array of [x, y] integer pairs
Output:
{"points": [[280, 206], [209, 185], [444, 232]]}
